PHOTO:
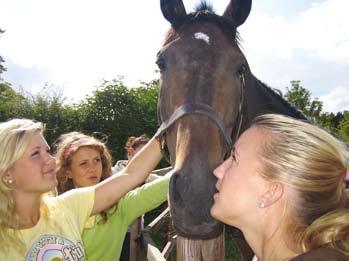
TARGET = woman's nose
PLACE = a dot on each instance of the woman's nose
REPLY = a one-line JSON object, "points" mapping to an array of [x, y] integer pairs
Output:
{"points": [[220, 170], [49, 159], [92, 166]]}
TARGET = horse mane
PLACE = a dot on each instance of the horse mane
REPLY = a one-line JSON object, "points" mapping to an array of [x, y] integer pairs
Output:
{"points": [[276, 93], [204, 11]]}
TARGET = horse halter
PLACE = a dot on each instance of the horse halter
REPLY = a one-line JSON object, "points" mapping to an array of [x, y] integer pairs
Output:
{"points": [[203, 109]]}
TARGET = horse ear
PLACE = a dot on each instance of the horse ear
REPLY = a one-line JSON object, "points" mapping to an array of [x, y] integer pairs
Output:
{"points": [[173, 11], [237, 11]]}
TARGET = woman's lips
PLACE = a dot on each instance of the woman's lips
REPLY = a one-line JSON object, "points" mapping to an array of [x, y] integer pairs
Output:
{"points": [[50, 172]]}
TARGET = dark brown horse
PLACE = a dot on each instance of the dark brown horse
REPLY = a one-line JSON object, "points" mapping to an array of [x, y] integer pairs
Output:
{"points": [[208, 96]]}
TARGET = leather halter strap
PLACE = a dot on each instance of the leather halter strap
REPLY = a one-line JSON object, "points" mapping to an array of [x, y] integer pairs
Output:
{"points": [[195, 108]]}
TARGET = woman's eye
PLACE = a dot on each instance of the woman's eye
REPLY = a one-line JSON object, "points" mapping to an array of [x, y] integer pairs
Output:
{"points": [[233, 156], [35, 153], [82, 163]]}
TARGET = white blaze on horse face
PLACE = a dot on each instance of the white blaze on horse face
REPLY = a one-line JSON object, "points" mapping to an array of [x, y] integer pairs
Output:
{"points": [[202, 36]]}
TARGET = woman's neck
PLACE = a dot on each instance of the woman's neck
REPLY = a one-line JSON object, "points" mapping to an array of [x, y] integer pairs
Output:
{"points": [[277, 250], [27, 209], [269, 242]]}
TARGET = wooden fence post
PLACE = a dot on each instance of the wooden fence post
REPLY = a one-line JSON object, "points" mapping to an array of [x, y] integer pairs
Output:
{"points": [[135, 231], [201, 250]]}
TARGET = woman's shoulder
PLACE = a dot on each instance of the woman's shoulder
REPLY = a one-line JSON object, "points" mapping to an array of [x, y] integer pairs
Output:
{"points": [[322, 254]]}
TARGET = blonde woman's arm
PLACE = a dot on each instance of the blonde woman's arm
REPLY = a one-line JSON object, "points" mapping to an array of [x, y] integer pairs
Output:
{"points": [[109, 191]]}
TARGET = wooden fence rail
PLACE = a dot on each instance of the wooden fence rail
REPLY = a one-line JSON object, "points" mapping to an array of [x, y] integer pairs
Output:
{"points": [[154, 253]]}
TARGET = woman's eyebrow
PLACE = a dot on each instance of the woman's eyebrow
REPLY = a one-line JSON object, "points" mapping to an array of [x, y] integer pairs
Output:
{"points": [[39, 147], [234, 151]]}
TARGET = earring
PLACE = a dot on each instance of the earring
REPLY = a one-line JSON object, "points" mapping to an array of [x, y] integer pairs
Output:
{"points": [[8, 182], [261, 203]]}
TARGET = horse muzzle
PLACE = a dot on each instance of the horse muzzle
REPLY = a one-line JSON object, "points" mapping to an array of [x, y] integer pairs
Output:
{"points": [[191, 198]]}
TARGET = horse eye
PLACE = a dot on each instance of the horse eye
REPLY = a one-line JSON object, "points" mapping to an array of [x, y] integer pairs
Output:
{"points": [[161, 64], [242, 69]]}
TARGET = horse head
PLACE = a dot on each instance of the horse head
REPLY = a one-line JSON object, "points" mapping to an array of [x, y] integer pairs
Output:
{"points": [[203, 76]]}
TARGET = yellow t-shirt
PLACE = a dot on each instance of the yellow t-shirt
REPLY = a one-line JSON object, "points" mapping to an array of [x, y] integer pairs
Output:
{"points": [[58, 237]]}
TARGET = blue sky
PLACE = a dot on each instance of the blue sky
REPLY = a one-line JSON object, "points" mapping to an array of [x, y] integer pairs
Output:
{"points": [[74, 45]]}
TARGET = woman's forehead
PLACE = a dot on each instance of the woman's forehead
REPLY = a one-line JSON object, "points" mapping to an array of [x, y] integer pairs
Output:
{"points": [[86, 152], [250, 138], [37, 140]]}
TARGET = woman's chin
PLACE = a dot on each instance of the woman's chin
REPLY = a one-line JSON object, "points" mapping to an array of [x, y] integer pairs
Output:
{"points": [[214, 212]]}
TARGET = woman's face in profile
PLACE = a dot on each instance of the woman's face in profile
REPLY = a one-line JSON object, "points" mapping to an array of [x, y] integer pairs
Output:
{"points": [[35, 171], [86, 167], [132, 152], [239, 184]]}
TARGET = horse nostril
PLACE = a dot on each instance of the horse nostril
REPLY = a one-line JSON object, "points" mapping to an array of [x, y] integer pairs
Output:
{"points": [[174, 192]]}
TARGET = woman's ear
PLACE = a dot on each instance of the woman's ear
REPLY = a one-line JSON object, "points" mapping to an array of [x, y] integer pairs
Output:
{"points": [[272, 195]]}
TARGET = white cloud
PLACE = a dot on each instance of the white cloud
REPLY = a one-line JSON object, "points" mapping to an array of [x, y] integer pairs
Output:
{"points": [[312, 47], [323, 30], [78, 43], [336, 100]]}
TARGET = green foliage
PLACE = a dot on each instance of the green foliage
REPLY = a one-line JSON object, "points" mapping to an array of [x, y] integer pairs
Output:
{"points": [[2, 68], [301, 98], [58, 117], [113, 109], [119, 112], [12, 104], [343, 128]]}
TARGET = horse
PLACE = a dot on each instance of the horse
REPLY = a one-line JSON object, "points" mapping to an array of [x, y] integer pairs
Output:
{"points": [[207, 97]]}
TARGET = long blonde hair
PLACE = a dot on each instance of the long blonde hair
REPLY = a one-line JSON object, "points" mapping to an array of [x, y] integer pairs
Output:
{"points": [[15, 136], [313, 164]]}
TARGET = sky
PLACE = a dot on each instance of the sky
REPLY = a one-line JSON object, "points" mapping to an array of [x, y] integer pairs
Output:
{"points": [[75, 45]]}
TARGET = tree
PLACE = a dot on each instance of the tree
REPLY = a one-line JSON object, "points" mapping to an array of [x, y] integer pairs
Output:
{"points": [[118, 112], [2, 68], [301, 98], [12, 104], [343, 128], [48, 107], [336, 123]]}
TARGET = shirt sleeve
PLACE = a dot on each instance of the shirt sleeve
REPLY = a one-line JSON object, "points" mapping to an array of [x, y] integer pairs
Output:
{"points": [[79, 202], [143, 199]]}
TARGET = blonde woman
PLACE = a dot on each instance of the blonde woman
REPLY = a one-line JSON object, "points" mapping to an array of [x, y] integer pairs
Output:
{"points": [[34, 227], [84, 161], [283, 186]]}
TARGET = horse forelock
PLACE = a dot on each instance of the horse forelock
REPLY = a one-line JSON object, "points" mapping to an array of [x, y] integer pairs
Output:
{"points": [[204, 13]]}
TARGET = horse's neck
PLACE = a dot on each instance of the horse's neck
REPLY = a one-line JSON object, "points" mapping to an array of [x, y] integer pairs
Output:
{"points": [[261, 99]]}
